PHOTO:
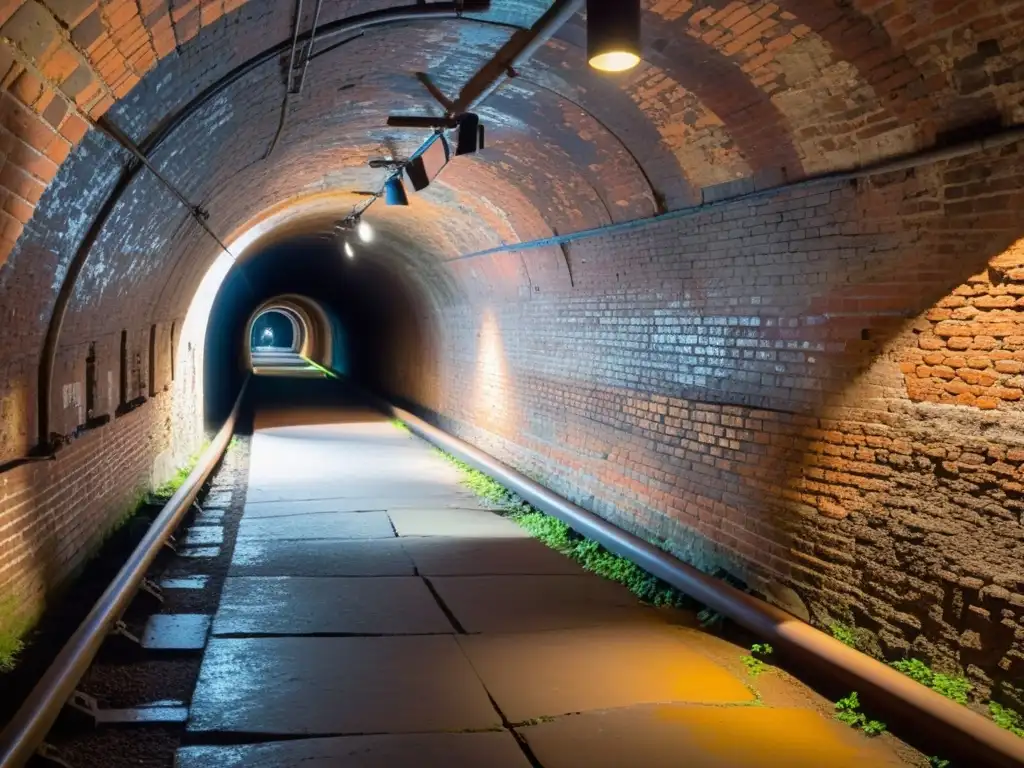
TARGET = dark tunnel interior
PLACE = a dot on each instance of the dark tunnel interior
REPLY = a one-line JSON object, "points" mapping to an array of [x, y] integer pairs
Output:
{"points": [[375, 326]]}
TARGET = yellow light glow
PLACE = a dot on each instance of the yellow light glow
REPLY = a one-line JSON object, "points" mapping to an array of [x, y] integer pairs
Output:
{"points": [[615, 61]]}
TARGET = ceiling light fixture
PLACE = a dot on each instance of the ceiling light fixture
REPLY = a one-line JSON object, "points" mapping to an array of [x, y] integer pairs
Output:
{"points": [[365, 231], [348, 250], [613, 34]]}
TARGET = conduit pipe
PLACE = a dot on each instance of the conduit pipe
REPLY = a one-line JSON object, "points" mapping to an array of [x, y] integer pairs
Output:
{"points": [[26, 731], [949, 724]]}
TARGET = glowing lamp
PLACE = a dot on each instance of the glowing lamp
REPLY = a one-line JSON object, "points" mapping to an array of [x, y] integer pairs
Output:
{"points": [[613, 34]]}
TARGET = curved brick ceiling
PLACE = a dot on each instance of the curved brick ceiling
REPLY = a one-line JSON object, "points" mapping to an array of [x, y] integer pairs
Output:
{"points": [[731, 96]]}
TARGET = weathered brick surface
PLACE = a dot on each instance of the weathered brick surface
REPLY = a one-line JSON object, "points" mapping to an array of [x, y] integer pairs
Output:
{"points": [[53, 514], [736, 384]]}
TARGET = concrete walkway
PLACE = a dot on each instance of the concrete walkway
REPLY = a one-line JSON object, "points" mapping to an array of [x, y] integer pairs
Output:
{"points": [[376, 615]]}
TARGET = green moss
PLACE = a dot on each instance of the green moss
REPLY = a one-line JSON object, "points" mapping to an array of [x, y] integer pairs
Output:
{"points": [[952, 687], [14, 625], [1007, 718], [170, 487], [844, 634], [559, 536], [754, 662], [938, 762], [399, 425], [848, 712]]}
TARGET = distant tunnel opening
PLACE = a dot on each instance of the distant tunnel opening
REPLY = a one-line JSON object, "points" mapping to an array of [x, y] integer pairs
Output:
{"points": [[275, 329], [362, 319]]}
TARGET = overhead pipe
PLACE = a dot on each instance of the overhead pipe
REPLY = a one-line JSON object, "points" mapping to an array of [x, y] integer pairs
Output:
{"points": [[163, 130], [520, 48], [29, 726], [950, 724]]}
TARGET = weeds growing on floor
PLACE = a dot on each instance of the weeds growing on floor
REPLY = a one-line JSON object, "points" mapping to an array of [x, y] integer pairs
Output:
{"points": [[754, 662], [848, 711], [559, 536]]}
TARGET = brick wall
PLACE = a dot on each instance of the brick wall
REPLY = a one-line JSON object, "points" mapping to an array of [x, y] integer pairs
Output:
{"points": [[54, 514], [817, 390]]}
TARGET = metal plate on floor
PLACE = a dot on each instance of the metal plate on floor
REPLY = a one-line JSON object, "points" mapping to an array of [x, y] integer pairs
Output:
{"points": [[184, 582], [203, 535], [143, 715], [176, 632]]}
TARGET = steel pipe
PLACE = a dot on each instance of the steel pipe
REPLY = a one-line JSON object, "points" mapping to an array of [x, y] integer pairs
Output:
{"points": [[27, 730], [949, 724]]}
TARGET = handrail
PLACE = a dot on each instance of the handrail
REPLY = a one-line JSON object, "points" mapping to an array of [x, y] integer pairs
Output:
{"points": [[948, 724], [27, 730]]}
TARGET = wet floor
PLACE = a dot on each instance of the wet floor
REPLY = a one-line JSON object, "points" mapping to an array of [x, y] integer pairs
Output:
{"points": [[375, 614]]}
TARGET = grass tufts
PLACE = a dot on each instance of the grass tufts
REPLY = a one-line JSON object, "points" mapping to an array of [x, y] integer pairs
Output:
{"points": [[13, 626], [951, 686], [560, 537], [754, 662], [1007, 719], [848, 712], [170, 487], [844, 634]]}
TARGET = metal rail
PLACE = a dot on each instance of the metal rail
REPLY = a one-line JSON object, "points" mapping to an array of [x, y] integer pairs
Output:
{"points": [[27, 730], [953, 726]]}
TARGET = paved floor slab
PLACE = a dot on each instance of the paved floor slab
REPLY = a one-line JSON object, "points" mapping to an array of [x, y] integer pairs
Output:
{"points": [[454, 556], [538, 603], [390, 605], [461, 523], [325, 525], [176, 631], [419, 750], [321, 557], [702, 737], [262, 509], [551, 673], [338, 686]]}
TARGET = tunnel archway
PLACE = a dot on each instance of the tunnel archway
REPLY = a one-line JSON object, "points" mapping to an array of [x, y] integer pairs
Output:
{"points": [[276, 329]]}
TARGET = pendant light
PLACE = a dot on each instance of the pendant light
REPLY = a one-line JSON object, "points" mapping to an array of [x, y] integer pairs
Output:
{"points": [[613, 34]]}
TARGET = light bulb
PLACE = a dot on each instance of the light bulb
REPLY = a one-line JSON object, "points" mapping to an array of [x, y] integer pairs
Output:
{"points": [[348, 250], [615, 61], [365, 231]]}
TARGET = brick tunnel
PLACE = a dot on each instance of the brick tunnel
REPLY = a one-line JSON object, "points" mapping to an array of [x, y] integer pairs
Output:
{"points": [[758, 299]]}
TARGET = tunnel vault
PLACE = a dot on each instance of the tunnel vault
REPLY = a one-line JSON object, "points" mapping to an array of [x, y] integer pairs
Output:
{"points": [[756, 299]]}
